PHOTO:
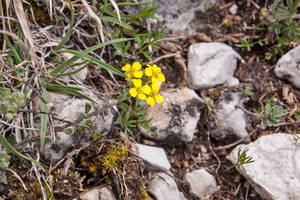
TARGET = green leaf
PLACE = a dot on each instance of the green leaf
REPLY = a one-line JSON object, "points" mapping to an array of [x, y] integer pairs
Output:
{"points": [[64, 40], [81, 117], [124, 106], [69, 131], [97, 109], [93, 48], [7, 146], [116, 21], [12, 139], [96, 61], [47, 141], [106, 97], [44, 117], [69, 90], [24, 146], [87, 107], [17, 56], [76, 71]]}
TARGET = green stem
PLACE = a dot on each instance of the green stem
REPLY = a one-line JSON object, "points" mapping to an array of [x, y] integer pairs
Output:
{"points": [[140, 51], [103, 8]]}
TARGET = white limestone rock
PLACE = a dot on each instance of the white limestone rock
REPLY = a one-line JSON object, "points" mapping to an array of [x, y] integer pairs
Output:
{"points": [[69, 109], [233, 9], [177, 17], [155, 157], [210, 64], [200, 183], [275, 174], [287, 67], [98, 193], [163, 187], [176, 117], [233, 120]]}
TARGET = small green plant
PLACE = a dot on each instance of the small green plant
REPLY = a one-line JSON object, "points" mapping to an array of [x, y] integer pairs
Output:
{"points": [[134, 117], [243, 158], [248, 43], [269, 113], [248, 90], [285, 20], [10, 103], [209, 103], [279, 48]]}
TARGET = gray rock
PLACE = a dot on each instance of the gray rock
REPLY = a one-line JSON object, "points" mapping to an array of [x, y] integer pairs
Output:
{"points": [[182, 196], [163, 187], [232, 81], [200, 183], [178, 17], [98, 193], [287, 67], [156, 158], [69, 110], [233, 120], [233, 9], [210, 64], [275, 174], [176, 117]]}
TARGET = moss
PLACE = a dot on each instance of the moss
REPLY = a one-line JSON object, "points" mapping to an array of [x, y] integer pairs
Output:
{"points": [[143, 195], [113, 158]]}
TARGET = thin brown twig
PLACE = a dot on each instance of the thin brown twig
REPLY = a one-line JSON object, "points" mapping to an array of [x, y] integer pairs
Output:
{"points": [[39, 112], [215, 155], [237, 142], [246, 111]]}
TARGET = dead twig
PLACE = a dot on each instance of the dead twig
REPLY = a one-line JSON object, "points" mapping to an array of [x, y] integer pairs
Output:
{"points": [[215, 155]]}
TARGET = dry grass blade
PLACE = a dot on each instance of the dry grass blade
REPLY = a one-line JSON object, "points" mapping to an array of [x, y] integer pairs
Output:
{"points": [[7, 2], [117, 9], [25, 28], [96, 18], [4, 27]]}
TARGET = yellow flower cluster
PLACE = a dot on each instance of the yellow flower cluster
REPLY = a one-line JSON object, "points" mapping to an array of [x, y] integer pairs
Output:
{"points": [[144, 84]]}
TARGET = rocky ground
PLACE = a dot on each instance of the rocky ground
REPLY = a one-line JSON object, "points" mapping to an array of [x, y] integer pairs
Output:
{"points": [[206, 117]]}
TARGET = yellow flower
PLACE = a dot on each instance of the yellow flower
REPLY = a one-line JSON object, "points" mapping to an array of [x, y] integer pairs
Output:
{"points": [[154, 96], [133, 71], [139, 90], [155, 73]]}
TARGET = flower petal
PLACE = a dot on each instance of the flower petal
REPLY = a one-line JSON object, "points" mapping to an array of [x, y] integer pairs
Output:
{"points": [[159, 98], [137, 82], [137, 66], [126, 67], [148, 72], [142, 96], [138, 74], [155, 87], [150, 101], [161, 77], [133, 92], [146, 89], [154, 80]]}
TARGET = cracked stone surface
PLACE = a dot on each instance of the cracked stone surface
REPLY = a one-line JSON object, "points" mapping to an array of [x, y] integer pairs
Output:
{"points": [[178, 17], [98, 193], [155, 157], [69, 110], [275, 174], [233, 120], [287, 67], [176, 118], [163, 187], [200, 183], [210, 64]]}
